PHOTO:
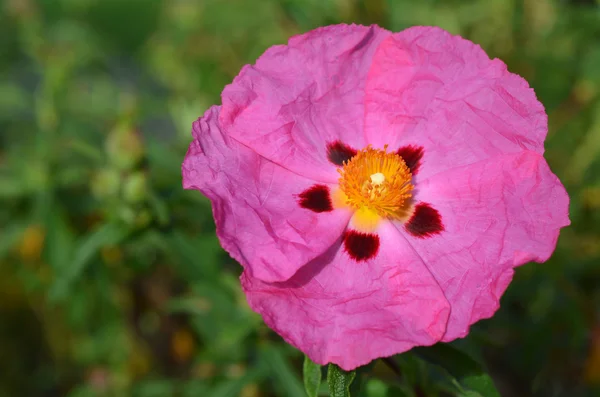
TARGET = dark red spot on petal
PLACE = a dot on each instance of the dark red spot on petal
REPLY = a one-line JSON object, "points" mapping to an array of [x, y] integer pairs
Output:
{"points": [[337, 152], [316, 199], [426, 221], [412, 156], [361, 246]]}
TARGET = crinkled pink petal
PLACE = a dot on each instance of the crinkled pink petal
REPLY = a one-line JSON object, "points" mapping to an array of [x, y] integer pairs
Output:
{"points": [[258, 219], [471, 131], [301, 96], [429, 88], [337, 310], [498, 213]]}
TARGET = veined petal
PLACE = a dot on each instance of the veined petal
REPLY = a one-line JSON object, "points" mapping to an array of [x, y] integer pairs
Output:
{"points": [[257, 204], [338, 310], [441, 92], [301, 97], [497, 214]]}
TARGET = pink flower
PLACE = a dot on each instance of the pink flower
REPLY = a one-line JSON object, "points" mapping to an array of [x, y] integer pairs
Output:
{"points": [[378, 188]]}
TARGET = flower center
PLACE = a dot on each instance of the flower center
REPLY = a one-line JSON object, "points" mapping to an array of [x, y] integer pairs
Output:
{"points": [[376, 180]]}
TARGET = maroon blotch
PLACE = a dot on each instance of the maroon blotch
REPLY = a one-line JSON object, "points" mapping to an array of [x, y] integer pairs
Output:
{"points": [[412, 156], [426, 221], [361, 246], [338, 152], [316, 199]]}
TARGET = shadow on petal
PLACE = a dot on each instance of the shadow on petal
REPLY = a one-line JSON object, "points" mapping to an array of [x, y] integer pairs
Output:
{"points": [[312, 268]]}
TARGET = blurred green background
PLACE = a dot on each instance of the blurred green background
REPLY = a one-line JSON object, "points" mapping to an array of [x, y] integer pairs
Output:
{"points": [[112, 282]]}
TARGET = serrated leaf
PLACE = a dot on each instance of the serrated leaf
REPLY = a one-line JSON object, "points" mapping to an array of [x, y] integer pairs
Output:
{"points": [[339, 381], [466, 371], [311, 373]]}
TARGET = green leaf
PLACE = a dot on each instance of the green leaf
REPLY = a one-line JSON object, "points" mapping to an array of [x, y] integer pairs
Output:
{"points": [[161, 209], [10, 236], [233, 387], [60, 241], [470, 394], [89, 246], [154, 388], [196, 256], [312, 377], [339, 381], [466, 371], [11, 187], [376, 388], [282, 372]]}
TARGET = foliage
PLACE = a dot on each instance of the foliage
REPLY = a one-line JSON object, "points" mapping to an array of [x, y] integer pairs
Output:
{"points": [[112, 282]]}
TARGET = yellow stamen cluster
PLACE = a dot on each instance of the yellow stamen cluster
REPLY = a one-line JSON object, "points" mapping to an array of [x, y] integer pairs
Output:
{"points": [[376, 180]]}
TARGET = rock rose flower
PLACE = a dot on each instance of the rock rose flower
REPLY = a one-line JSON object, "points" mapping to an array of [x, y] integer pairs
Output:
{"points": [[378, 188]]}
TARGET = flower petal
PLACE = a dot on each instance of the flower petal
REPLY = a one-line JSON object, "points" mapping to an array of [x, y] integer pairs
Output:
{"points": [[442, 92], [497, 214], [338, 153], [259, 219], [425, 221], [348, 312], [361, 246], [300, 97], [317, 198]]}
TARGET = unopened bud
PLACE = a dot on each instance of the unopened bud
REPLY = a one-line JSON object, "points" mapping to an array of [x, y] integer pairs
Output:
{"points": [[124, 147]]}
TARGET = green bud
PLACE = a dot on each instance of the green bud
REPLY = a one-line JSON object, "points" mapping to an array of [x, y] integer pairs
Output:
{"points": [[135, 188], [124, 147], [143, 219], [36, 176], [127, 215], [106, 183]]}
